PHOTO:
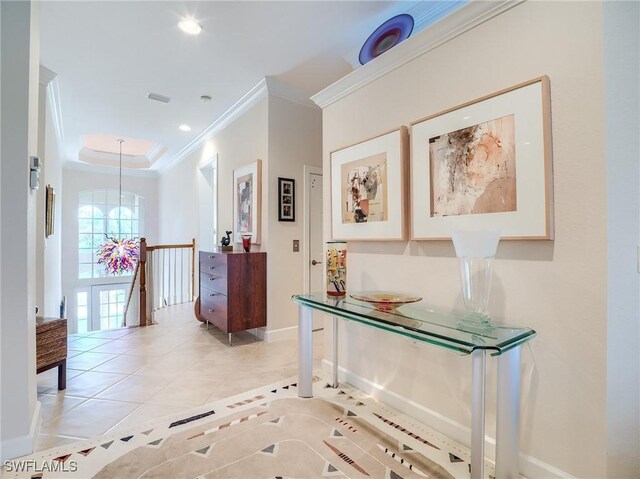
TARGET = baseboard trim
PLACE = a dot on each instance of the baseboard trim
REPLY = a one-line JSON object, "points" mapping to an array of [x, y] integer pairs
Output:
{"points": [[22, 445], [530, 467], [281, 334]]}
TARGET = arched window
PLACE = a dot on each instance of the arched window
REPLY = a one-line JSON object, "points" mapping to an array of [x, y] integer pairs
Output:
{"points": [[99, 213]]}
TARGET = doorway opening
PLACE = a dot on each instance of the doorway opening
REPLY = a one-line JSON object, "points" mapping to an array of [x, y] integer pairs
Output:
{"points": [[313, 240]]}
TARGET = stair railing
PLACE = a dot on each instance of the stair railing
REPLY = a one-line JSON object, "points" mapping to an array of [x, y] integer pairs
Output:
{"points": [[165, 275]]}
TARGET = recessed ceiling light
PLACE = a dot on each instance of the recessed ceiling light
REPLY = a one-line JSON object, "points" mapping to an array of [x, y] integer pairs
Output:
{"points": [[185, 127], [466, 117], [190, 26], [205, 98]]}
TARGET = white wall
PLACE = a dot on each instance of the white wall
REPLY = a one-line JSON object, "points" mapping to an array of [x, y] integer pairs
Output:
{"points": [[40, 199], [75, 181], [285, 136], [295, 140], [557, 288], [622, 95], [239, 144], [52, 244], [19, 58], [48, 250]]}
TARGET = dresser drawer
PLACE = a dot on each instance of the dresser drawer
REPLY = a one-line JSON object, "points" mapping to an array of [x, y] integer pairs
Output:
{"points": [[214, 263], [213, 302], [213, 307], [214, 282]]}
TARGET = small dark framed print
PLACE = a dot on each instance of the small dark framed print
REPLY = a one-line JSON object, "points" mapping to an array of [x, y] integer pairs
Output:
{"points": [[286, 199]]}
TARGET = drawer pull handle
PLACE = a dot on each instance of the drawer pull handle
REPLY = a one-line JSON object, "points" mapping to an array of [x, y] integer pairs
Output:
{"points": [[211, 310], [212, 267], [213, 294], [212, 256], [212, 279]]}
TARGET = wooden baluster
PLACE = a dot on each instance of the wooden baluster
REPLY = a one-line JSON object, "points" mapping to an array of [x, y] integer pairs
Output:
{"points": [[193, 269], [143, 281], [181, 275]]}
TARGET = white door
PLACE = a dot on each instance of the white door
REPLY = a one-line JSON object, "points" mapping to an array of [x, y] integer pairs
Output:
{"points": [[316, 248]]}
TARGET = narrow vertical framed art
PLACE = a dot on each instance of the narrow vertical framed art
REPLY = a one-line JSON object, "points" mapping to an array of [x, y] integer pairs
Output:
{"points": [[50, 210], [286, 199], [247, 202]]}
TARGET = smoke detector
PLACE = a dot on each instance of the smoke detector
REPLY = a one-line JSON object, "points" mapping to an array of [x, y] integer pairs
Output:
{"points": [[205, 98], [158, 97]]}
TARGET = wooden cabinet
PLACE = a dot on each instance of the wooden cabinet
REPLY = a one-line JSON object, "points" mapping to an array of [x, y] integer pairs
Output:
{"points": [[233, 290], [51, 347]]}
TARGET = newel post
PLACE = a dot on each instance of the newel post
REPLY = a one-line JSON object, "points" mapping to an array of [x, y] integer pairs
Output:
{"points": [[143, 281]]}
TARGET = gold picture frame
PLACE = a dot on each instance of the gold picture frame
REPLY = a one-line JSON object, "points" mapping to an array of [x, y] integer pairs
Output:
{"points": [[50, 211]]}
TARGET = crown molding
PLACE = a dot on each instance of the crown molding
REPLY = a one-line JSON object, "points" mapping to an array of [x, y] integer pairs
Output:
{"points": [[424, 14], [285, 91], [109, 170], [265, 87], [49, 80], [453, 25], [46, 76], [253, 96]]}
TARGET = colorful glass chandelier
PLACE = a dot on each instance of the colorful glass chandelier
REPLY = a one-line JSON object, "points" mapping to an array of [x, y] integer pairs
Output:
{"points": [[119, 255]]}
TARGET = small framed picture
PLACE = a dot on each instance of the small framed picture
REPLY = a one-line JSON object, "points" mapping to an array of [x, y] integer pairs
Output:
{"points": [[286, 199]]}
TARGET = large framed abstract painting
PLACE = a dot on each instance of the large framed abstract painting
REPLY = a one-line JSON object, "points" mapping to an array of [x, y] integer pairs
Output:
{"points": [[368, 188], [247, 192], [485, 165]]}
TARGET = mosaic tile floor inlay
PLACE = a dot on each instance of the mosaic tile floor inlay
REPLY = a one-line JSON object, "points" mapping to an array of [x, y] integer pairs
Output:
{"points": [[266, 432]]}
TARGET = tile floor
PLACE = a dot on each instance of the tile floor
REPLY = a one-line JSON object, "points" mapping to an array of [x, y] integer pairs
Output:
{"points": [[125, 377]]}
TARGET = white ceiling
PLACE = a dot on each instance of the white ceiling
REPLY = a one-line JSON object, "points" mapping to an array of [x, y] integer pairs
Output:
{"points": [[109, 55]]}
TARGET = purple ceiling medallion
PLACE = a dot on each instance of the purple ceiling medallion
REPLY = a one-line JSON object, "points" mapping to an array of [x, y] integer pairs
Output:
{"points": [[386, 36]]}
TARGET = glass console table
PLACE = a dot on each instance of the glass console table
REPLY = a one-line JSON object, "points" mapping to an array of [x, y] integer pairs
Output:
{"points": [[443, 330]]}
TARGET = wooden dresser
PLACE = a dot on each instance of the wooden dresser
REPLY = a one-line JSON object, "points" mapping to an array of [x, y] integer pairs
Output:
{"points": [[51, 347], [233, 290]]}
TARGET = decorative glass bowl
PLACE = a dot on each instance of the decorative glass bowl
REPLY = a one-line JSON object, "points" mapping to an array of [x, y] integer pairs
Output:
{"points": [[384, 300]]}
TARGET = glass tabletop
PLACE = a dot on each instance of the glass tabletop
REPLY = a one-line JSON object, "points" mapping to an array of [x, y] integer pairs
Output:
{"points": [[422, 323]]}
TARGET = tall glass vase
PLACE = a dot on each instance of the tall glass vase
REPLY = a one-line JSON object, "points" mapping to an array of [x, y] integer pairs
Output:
{"points": [[336, 268], [475, 251]]}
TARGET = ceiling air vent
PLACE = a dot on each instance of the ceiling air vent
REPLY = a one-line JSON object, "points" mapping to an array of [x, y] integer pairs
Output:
{"points": [[160, 98]]}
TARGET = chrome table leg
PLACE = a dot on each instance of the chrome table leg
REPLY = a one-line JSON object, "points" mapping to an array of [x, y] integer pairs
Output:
{"points": [[508, 415], [335, 353], [478, 389], [305, 352]]}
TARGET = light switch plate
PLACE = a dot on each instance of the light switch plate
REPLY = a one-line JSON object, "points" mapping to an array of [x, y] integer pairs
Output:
{"points": [[296, 246]]}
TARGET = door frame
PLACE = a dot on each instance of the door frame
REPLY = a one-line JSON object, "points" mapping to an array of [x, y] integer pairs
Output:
{"points": [[308, 170], [209, 171]]}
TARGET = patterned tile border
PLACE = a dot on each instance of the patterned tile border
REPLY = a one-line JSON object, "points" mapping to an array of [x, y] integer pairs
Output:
{"points": [[91, 455]]}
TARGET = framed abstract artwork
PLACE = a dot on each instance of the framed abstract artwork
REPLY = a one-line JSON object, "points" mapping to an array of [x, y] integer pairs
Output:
{"points": [[247, 193], [286, 199], [485, 165], [368, 194]]}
